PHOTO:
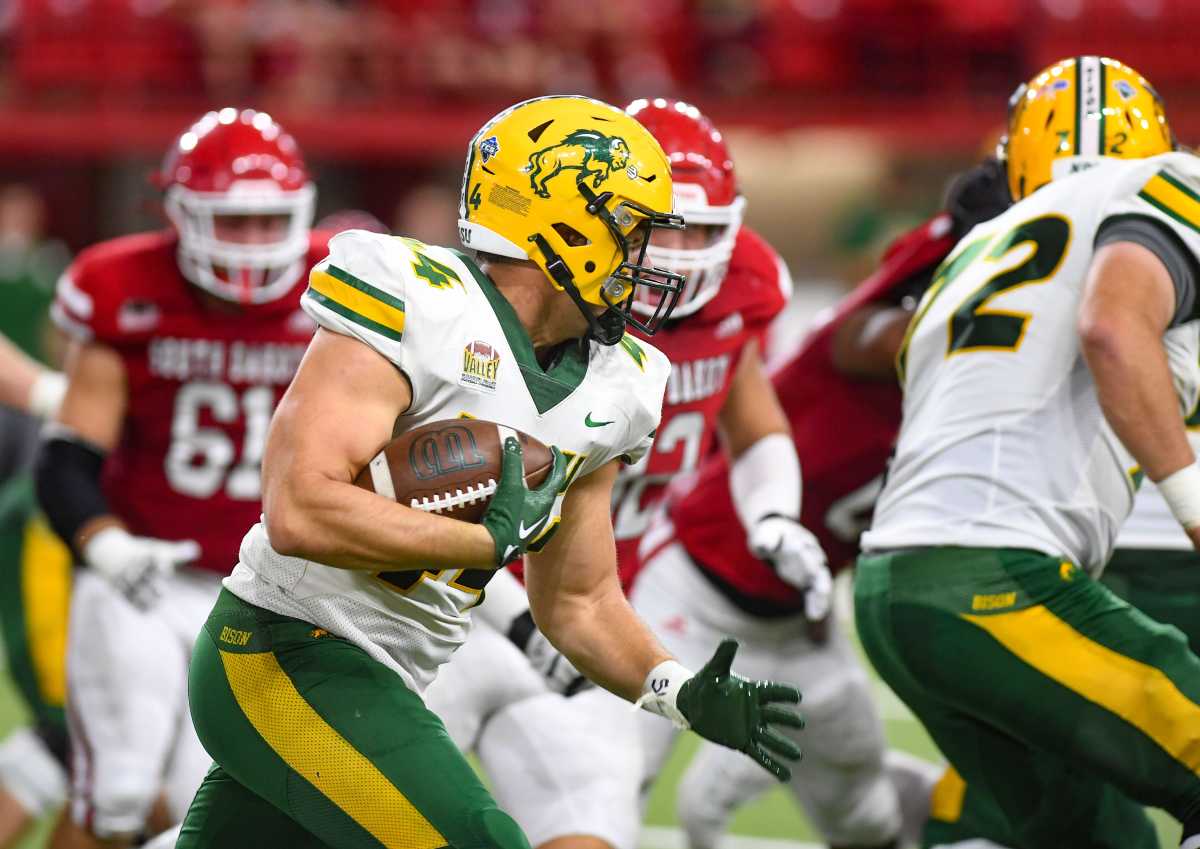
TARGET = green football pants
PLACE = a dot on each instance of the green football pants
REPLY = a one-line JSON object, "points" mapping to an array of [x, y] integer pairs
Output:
{"points": [[1055, 701], [319, 745], [35, 598], [1162, 583]]}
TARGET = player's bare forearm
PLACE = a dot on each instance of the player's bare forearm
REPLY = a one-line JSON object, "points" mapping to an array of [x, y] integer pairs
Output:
{"points": [[864, 346], [751, 409], [1128, 303], [577, 601], [18, 372], [338, 412], [97, 394]]}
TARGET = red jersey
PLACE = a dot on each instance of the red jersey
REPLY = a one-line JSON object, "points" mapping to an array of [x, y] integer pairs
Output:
{"points": [[202, 382], [843, 430], [704, 350]]}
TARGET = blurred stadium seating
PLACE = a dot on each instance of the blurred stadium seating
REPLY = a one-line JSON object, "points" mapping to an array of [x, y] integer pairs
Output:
{"points": [[920, 70]]}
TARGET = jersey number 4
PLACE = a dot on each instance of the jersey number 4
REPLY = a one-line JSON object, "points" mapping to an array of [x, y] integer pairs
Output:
{"points": [[974, 325], [201, 460]]}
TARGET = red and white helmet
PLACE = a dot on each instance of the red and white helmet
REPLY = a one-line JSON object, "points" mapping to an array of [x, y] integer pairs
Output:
{"points": [[238, 162], [705, 193]]}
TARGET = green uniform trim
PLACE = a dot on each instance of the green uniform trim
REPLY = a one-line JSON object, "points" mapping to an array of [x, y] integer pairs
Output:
{"points": [[1164, 584], [1043, 689], [547, 387], [358, 301], [34, 640], [331, 738]]}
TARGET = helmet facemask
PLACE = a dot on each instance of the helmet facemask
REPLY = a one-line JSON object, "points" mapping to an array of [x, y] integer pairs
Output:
{"points": [[703, 268], [244, 273], [631, 226]]}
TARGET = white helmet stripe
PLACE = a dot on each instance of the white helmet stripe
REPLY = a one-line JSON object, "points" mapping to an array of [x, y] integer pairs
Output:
{"points": [[1088, 76]]}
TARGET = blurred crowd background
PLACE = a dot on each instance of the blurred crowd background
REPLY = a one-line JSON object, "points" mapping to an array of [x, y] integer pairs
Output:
{"points": [[847, 117]]}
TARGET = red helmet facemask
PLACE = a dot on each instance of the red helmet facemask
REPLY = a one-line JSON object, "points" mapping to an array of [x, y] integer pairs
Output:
{"points": [[705, 194], [239, 165]]}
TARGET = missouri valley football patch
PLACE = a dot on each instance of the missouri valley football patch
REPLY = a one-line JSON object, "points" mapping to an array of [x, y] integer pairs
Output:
{"points": [[481, 362]]}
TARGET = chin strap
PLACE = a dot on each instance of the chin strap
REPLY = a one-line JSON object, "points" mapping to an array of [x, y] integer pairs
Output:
{"points": [[606, 328]]}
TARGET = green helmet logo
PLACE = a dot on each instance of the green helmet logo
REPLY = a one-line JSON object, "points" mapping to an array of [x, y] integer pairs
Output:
{"points": [[590, 153]]}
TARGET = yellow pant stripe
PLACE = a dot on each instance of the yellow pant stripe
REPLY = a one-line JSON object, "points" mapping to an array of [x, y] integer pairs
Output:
{"points": [[1140, 694], [946, 801], [1173, 198], [46, 600], [316, 751], [361, 303]]}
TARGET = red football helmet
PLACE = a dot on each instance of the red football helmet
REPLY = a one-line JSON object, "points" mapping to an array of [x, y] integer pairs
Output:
{"points": [[238, 163], [705, 193]]}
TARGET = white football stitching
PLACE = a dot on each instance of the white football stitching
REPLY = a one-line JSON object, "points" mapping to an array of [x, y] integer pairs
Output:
{"points": [[448, 501]]}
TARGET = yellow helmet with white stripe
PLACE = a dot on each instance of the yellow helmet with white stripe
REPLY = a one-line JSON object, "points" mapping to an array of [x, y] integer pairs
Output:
{"points": [[1075, 111]]}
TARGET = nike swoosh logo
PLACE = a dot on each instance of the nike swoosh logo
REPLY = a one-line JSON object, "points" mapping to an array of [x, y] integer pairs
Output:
{"points": [[587, 420], [523, 531]]}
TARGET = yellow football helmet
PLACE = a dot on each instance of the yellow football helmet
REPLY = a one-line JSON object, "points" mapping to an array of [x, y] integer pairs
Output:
{"points": [[576, 186], [1075, 111]]}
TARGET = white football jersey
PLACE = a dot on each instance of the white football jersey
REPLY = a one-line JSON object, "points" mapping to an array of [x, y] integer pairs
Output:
{"points": [[433, 313], [1003, 442], [1151, 525]]}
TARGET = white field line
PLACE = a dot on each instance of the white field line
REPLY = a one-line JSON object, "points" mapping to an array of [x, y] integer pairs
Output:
{"points": [[659, 837]]}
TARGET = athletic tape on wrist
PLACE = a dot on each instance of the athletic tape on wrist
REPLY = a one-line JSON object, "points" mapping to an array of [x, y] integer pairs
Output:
{"points": [[661, 690], [1182, 493]]}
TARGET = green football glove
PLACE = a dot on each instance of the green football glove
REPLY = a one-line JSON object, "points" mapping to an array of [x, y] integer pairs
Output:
{"points": [[517, 516], [740, 714]]}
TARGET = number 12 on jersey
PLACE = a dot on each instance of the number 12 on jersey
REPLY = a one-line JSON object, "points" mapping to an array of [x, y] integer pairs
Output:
{"points": [[974, 325]]}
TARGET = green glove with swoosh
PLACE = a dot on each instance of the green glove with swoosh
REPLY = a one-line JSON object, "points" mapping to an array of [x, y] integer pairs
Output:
{"points": [[518, 516]]}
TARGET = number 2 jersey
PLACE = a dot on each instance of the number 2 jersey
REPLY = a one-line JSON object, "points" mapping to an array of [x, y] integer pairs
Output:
{"points": [[843, 430], [1003, 443], [440, 320], [704, 350], [203, 377]]}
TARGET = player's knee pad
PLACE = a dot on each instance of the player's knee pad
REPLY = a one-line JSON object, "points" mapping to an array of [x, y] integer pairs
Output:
{"points": [[31, 774], [494, 829], [715, 785], [121, 799], [870, 817]]}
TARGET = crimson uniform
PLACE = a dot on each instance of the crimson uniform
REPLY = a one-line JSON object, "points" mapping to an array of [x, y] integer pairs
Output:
{"points": [[704, 350], [843, 430], [701, 580], [203, 380], [205, 319]]}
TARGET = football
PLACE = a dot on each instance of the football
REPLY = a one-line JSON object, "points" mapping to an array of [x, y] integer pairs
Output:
{"points": [[450, 467]]}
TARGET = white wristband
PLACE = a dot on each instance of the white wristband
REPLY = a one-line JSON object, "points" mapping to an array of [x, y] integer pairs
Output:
{"points": [[661, 690], [46, 394], [1182, 493]]}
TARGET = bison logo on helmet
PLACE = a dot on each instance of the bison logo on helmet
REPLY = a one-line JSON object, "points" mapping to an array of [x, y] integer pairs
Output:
{"points": [[590, 153]]}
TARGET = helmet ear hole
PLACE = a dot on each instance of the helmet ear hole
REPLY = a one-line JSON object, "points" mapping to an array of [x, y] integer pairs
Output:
{"points": [[571, 236]]}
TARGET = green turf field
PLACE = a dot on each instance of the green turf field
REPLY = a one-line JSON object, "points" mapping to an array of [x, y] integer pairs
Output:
{"points": [[773, 816]]}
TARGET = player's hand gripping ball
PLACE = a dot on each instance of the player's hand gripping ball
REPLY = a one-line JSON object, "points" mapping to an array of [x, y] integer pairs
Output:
{"points": [[475, 471]]}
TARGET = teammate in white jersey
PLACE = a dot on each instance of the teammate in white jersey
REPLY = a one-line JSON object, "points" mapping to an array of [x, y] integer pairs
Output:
{"points": [[1037, 389], [305, 682]]}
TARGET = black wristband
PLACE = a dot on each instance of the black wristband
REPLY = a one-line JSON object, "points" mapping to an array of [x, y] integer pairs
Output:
{"points": [[67, 478], [521, 630]]}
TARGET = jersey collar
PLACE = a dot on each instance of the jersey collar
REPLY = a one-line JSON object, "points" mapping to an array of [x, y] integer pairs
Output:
{"points": [[547, 387]]}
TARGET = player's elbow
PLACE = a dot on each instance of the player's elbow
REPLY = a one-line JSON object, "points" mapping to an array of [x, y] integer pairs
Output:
{"points": [[285, 530], [1108, 339], [292, 526]]}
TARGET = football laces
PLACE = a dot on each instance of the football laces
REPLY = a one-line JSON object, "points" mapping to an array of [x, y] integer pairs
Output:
{"points": [[450, 501]]}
